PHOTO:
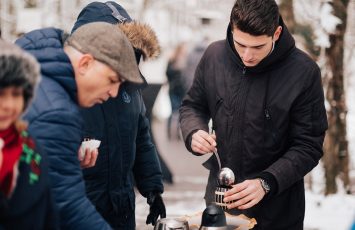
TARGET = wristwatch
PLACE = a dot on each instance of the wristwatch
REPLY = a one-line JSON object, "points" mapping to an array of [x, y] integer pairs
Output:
{"points": [[264, 185]]}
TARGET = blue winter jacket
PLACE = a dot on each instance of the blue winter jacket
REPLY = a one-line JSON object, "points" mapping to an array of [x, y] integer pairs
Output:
{"points": [[55, 122]]}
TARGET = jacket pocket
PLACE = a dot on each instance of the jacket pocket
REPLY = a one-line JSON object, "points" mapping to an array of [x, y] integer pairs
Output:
{"points": [[319, 119], [271, 133]]}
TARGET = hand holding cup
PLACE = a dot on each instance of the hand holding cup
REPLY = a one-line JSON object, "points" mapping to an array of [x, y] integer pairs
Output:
{"points": [[88, 153]]}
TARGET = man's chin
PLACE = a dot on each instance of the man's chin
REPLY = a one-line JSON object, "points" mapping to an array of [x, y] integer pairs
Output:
{"points": [[250, 64], [86, 104]]}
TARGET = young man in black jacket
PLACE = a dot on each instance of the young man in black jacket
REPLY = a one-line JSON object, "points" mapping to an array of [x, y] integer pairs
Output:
{"points": [[266, 101], [127, 156]]}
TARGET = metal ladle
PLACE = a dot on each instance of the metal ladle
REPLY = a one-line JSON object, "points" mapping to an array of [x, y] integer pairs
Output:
{"points": [[217, 155], [218, 159], [226, 176]]}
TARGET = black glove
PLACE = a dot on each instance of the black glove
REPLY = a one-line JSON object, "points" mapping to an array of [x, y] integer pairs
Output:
{"points": [[157, 207]]}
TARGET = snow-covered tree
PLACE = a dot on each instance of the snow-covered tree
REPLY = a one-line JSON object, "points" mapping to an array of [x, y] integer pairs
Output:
{"points": [[328, 20]]}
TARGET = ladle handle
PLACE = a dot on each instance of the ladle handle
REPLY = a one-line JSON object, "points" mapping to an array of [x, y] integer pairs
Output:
{"points": [[217, 155]]}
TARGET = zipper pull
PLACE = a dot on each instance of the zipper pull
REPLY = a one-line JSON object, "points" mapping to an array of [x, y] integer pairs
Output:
{"points": [[267, 114], [244, 70]]}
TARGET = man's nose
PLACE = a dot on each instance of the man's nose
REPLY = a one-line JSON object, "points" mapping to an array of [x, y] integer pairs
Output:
{"points": [[114, 90], [248, 54]]}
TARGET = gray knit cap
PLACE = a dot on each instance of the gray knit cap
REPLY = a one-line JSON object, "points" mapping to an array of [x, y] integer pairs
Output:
{"points": [[19, 69], [107, 44]]}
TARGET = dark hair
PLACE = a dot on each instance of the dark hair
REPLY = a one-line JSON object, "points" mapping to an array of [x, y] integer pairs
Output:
{"points": [[255, 17]]}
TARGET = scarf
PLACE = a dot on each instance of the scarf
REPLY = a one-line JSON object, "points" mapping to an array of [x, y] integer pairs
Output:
{"points": [[11, 153]]}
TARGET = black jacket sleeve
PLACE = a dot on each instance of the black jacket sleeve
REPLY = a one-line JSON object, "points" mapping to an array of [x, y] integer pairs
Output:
{"points": [[308, 123], [194, 112]]}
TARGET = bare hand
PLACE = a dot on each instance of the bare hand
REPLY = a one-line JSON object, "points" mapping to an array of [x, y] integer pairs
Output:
{"points": [[89, 158], [203, 142], [245, 195]]}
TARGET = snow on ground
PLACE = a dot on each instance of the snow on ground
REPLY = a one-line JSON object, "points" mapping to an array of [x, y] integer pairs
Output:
{"points": [[333, 212]]}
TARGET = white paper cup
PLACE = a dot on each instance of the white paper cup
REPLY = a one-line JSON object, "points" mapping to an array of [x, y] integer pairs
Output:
{"points": [[91, 144]]}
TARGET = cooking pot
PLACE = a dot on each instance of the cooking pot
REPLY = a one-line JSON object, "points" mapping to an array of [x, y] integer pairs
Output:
{"points": [[171, 224]]}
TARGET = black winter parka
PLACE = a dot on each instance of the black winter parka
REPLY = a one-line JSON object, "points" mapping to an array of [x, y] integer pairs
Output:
{"points": [[126, 157], [269, 119]]}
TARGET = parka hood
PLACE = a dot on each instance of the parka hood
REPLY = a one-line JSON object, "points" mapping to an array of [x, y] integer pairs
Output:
{"points": [[283, 47], [141, 36], [109, 12]]}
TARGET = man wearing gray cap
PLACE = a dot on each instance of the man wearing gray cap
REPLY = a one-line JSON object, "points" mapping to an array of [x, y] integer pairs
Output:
{"points": [[127, 156], [85, 69]]}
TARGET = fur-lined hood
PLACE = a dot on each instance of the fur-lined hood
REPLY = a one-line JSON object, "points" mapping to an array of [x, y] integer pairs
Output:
{"points": [[141, 36]]}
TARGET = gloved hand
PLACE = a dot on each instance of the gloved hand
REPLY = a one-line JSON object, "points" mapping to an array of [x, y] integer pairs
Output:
{"points": [[157, 207]]}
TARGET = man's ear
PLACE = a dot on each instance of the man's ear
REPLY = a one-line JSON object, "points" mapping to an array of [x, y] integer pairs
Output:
{"points": [[277, 33], [84, 63]]}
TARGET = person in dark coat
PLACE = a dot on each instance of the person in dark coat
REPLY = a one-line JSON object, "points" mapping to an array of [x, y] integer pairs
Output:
{"points": [[266, 102], [192, 60], [85, 69], [26, 200], [127, 156], [176, 64]]}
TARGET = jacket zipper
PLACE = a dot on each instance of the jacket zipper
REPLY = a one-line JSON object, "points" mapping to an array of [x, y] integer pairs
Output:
{"points": [[267, 114], [240, 174], [218, 105]]}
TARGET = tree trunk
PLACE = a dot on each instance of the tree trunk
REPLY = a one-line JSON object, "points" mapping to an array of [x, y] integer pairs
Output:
{"points": [[298, 30], [336, 155], [286, 10]]}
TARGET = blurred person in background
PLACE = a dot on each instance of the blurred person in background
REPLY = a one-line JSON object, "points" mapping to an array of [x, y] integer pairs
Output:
{"points": [[265, 98], [176, 64], [192, 60], [84, 69], [127, 156], [25, 194]]}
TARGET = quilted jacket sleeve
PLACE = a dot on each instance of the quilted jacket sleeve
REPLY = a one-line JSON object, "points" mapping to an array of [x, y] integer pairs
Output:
{"points": [[59, 134]]}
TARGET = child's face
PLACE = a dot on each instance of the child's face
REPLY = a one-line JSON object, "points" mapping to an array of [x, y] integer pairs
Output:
{"points": [[11, 105]]}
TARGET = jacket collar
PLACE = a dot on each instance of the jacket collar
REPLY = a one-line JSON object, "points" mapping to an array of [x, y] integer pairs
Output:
{"points": [[47, 47]]}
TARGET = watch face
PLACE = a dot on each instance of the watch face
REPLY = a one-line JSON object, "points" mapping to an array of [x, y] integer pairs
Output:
{"points": [[265, 186]]}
